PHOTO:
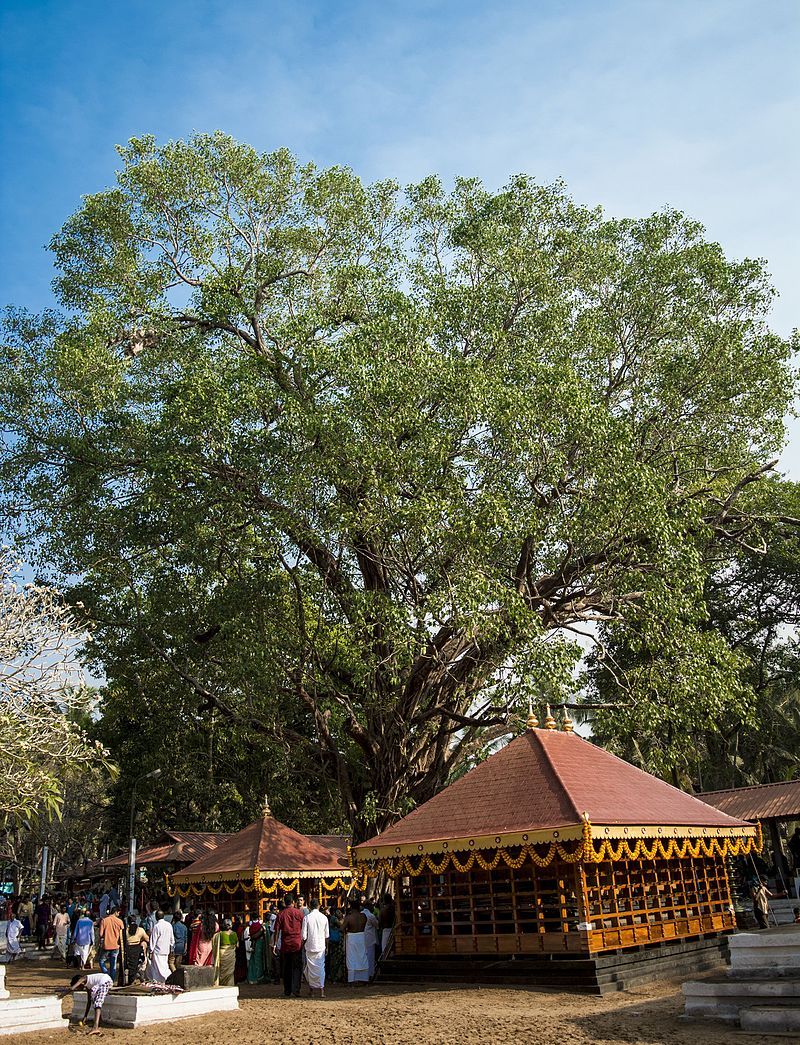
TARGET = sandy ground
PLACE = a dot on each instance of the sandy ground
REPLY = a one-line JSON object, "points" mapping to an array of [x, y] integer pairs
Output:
{"points": [[418, 1016]]}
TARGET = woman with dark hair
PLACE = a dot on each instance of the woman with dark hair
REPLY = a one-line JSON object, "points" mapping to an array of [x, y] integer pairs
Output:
{"points": [[205, 939], [135, 948], [193, 925], [257, 965], [240, 970]]}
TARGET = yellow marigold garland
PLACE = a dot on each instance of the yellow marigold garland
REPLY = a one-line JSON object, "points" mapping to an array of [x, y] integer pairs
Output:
{"points": [[337, 883], [589, 850]]}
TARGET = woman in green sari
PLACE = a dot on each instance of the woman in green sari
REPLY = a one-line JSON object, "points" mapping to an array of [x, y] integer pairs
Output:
{"points": [[258, 963], [337, 970], [223, 951]]}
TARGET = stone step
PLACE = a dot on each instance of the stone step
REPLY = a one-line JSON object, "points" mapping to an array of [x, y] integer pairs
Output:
{"points": [[770, 951], [770, 1019], [725, 999]]}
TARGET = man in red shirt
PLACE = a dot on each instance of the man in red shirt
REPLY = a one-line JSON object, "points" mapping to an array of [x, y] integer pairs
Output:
{"points": [[289, 931]]}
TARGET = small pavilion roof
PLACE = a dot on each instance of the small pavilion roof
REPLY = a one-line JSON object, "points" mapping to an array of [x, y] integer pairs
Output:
{"points": [[173, 847], [539, 788], [275, 850], [759, 802]]}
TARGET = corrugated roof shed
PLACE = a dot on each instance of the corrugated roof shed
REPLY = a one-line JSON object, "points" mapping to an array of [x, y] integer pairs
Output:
{"points": [[758, 802], [174, 847]]}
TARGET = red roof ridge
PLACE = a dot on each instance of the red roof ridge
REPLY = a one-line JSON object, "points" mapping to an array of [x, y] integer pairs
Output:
{"points": [[746, 787], [537, 733]]}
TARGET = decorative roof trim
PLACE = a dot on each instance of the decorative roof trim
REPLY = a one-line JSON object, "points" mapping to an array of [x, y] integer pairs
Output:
{"points": [[569, 833], [246, 875]]}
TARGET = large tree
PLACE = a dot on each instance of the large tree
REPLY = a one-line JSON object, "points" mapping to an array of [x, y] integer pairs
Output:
{"points": [[43, 703], [751, 620], [353, 464]]}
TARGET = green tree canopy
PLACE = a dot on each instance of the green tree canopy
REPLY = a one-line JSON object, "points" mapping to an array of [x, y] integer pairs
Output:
{"points": [[752, 614], [354, 463]]}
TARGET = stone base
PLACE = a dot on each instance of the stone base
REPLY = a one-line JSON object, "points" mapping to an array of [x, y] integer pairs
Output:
{"points": [[726, 999], [770, 952], [192, 977], [763, 1019], [137, 1010], [24, 1015]]}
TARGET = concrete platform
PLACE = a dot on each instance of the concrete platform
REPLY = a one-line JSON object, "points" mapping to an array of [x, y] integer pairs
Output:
{"points": [[25, 1015], [770, 952], [763, 1019], [725, 999], [137, 1010]]}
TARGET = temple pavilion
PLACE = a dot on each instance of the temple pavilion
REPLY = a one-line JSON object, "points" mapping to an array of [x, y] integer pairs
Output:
{"points": [[261, 864], [556, 851]]}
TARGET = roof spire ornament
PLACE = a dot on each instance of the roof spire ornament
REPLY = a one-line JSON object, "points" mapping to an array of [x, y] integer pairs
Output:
{"points": [[567, 724], [532, 721], [265, 809], [549, 722]]}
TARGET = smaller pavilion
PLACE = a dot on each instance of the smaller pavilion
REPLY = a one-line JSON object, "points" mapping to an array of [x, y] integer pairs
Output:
{"points": [[260, 864], [555, 855]]}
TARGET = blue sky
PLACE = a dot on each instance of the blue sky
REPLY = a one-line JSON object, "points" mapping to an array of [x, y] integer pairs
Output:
{"points": [[635, 103]]}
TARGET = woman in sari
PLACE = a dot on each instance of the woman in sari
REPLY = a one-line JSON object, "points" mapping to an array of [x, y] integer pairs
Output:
{"points": [[240, 969], [193, 924], [257, 966], [223, 947], [205, 940], [337, 971]]}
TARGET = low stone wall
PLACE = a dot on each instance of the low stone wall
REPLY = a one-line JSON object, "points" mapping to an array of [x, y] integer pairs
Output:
{"points": [[25, 1015], [137, 1010]]}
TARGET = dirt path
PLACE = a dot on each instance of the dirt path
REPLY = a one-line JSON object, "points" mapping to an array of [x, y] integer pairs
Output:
{"points": [[415, 1016]]}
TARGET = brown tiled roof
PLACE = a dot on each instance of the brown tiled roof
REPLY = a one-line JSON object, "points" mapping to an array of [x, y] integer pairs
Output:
{"points": [[758, 802], [338, 843], [546, 780], [174, 847], [268, 845]]}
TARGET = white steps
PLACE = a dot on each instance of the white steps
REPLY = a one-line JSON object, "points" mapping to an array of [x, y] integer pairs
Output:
{"points": [[761, 992]]}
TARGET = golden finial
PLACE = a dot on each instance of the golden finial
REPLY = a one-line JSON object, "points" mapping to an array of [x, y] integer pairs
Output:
{"points": [[532, 721], [266, 811], [566, 722], [549, 722]]}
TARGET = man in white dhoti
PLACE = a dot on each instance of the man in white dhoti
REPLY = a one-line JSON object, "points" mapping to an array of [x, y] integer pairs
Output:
{"points": [[13, 931], [354, 947], [162, 942], [370, 938], [316, 933]]}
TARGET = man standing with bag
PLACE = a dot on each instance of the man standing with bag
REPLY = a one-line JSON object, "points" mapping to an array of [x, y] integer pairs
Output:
{"points": [[289, 933]]}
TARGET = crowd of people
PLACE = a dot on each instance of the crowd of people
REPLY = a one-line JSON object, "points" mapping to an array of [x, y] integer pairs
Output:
{"points": [[331, 943]]}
